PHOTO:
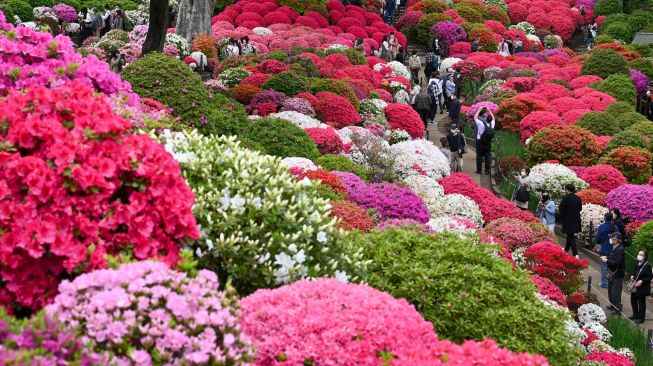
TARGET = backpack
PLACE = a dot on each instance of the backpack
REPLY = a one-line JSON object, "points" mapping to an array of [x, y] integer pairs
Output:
{"points": [[433, 88], [488, 133], [414, 63], [627, 239], [522, 194]]}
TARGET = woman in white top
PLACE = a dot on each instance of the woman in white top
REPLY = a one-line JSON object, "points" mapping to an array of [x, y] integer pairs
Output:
{"points": [[232, 48], [402, 97], [414, 92], [503, 48], [385, 50]]}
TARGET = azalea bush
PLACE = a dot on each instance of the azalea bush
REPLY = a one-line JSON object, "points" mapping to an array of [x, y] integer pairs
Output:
{"points": [[513, 233], [634, 163], [619, 86], [550, 261], [644, 236], [511, 111], [603, 177], [104, 305], [604, 62], [241, 195], [288, 82], [633, 201], [599, 123], [592, 195], [86, 187], [282, 138], [628, 137], [351, 216], [335, 110], [390, 201], [403, 117], [548, 289], [570, 145], [341, 163], [407, 264], [225, 117], [536, 121], [419, 157], [327, 140]]}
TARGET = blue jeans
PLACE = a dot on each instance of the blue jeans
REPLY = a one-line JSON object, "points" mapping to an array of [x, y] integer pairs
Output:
{"points": [[390, 11], [604, 280]]}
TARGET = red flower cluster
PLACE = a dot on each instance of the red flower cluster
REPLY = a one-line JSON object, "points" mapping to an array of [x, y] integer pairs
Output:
{"points": [[634, 163], [591, 337], [584, 81], [403, 117], [576, 300], [75, 186], [265, 108], [592, 195], [536, 121], [610, 359], [550, 261], [603, 177], [570, 145], [521, 84], [513, 110], [326, 178], [335, 110], [514, 233], [256, 79], [244, 92], [351, 216], [549, 289], [272, 66], [327, 140]]}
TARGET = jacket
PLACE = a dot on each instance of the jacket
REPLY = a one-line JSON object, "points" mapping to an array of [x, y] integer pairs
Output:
{"points": [[449, 88], [617, 262], [646, 275], [603, 237], [456, 142], [548, 214], [570, 208], [423, 101], [454, 110]]}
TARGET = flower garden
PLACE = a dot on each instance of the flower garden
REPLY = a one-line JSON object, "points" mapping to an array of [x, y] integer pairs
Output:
{"points": [[284, 209]]}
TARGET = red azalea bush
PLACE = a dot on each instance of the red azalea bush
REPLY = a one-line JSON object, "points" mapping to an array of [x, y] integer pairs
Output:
{"points": [[550, 261], [265, 108], [549, 289], [460, 48], [326, 178], [551, 91], [335, 110], [603, 177], [576, 300], [592, 195], [566, 104], [584, 81], [570, 145], [77, 185], [403, 117], [536, 121], [591, 337], [610, 359], [521, 84], [256, 79], [514, 233], [244, 92], [351, 217], [327, 140], [513, 110], [571, 116], [272, 66], [633, 162], [511, 164]]}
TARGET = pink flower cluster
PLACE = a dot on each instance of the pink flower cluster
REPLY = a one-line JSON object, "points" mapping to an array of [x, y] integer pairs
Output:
{"points": [[610, 359], [603, 177], [327, 140], [145, 313], [634, 201], [555, 16], [77, 185], [547, 288], [65, 12]]}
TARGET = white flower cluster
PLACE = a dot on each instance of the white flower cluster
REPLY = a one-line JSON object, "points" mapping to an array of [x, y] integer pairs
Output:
{"points": [[72, 28], [591, 313], [346, 133], [297, 162], [259, 225], [599, 330], [398, 69], [553, 178], [262, 31], [518, 257], [173, 39], [427, 188], [337, 46], [454, 225], [593, 214], [300, 120], [357, 153], [533, 38], [448, 63], [456, 205], [200, 59], [138, 17], [397, 136], [490, 85], [44, 11], [525, 27], [575, 332], [420, 157]]}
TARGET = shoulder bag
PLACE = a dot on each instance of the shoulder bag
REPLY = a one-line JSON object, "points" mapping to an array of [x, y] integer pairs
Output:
{"points": [[631, 284]]}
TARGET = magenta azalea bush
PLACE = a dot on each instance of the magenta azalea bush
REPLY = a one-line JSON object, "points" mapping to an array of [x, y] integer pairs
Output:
{"points": [[634, 201], [493, 107], [449, 32], [145, 313], [391, 201], [65, 12], [328, 322], [640, 81]]}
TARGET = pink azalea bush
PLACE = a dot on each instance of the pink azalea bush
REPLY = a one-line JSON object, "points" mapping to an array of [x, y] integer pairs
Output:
{"points": [[513, 233], [327, 140], [77, 185], [403, 117], [634, 201], [547, 288], [65, 12], [486, 353], [145, 313], [603, 177], [610, 359]]}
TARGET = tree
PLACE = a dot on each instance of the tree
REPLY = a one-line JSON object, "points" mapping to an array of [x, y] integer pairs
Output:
{"points": [[194, 18], [157, 29]]}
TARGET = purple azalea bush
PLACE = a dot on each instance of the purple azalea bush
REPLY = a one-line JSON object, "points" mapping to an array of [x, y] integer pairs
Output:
{"points": [[65, 12], [269, 96], [299, 105], [352, 182], [391, 201], [449, 32], [633, 200], [538, 56], [555, 52], [493, 107], [640, 81], [589, 4]]}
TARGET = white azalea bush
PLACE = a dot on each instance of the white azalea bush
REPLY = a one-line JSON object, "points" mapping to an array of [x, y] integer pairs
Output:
{"points": [[298, 162], [420, 157], [427, 188], [599, 330], [456, 205], [173, 39], [553, 178], [300, 120], [260, 228], [346, 133], [397, 136], [591, 313], [591, 214], [398, 69], [518, 257], [526, 27], [233, 76], [448, 63], [454, 225], [262, 31], [575, 332]]}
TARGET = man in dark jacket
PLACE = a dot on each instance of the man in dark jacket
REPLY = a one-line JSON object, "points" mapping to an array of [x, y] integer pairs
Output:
{"points": [[570, 208], [616, 264], [642, 275], [454, 109], [456, 142], [423, 103]]}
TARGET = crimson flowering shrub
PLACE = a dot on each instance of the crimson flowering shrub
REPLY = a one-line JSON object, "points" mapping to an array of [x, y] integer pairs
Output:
{"points": [[351, 217], [551, 91], [577, 299], [272, 66], [256, 79], [513, 233], [550, 261], [633, 162], [327, 140], [610, 359], [77, 185], [335, 110], [535, 121], [573, 115], [297, 324], [570, 145], [244, 93], [633, 201], [591, 337], [592, 195], [521, 84], [326, 178], [584, 81], [549, 289], [603, 177], [513, 110], [403, 117]]}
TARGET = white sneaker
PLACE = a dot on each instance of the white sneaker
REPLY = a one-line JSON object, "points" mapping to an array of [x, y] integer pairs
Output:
{"points": [[577, 257]]}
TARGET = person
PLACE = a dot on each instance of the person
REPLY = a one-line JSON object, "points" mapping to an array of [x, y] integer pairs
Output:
{"points": [[476, 44], [413, 93], [402, 96], [519, 45], [604, 247], [546, 211], [394, 45], [246, 47], [570, 208], [444, 149], [616, 263], [390, 11], [107, 15], [97, 22], [232, 48], [429, 63], [458, 79], [119, 19], [619, 224], [591, 34], [642, 277], [503, 48], [449, 90], [454, 109], [415, 65], [521, 195], [534, 48], [399, 57], [437, 51], [86, 23], [422, 104], [484, 121], [385, 49], [434, 89], [360, 46], [117, 62], [456, 142]]}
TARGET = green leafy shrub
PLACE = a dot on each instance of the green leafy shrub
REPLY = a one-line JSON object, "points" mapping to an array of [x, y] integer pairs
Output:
{"points": [[644, 65], [605, 62], [287, 82], [303, 6], [618, 108], [424, 35], [282, 138], [342, 164], [113, 40], [644, 236], [338, 87], [233, 76], [620, 30], [627, 138], [603, 38], [19, 8], [471, 14], [644, 128], [124, 4], [224, 117], [599, 123], [620, 87], [643, 49], [178, 87], [48, 3], [639, 19], [260, 227], [465, 290], [279, 55], [607, 7]]}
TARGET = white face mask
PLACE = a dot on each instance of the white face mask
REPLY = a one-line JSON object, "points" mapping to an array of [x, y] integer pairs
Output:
{"points": [[640, 258]]}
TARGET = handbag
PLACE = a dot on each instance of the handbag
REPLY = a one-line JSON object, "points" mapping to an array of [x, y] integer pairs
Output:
{"points": [[609, 274], [631, 284]]}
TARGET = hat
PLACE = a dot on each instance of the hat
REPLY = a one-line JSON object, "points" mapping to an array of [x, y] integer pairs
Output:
{"points": [[616, 235], [454, 126]]}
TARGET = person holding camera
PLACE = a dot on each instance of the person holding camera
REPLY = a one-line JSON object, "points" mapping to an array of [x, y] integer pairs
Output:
{"points": [[546, 211], [484, 121]]}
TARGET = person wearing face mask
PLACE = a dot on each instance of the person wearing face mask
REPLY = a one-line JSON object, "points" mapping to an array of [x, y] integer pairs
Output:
{"points": [[604, 248], [616, 263], [546, 211], [570, 208], [456, 142], [642, 279]]}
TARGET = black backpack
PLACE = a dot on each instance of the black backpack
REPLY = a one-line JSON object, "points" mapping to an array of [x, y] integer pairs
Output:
{"points": [[522, 194], [433, 88], [488, 133]]}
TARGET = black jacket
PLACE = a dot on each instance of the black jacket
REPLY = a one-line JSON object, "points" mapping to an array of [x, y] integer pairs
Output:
{"points": [[617, 262], [570, 208], [454, 110], [456, 142], [423, 101], [645, 276]]}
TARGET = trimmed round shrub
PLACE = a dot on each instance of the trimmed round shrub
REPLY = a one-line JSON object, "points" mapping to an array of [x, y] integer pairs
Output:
{"points": [[644, 65], [327, 140], [424, 25], [628, 138], [550, 261], [280, 137], [341, 163], [178, 87], [607, 7], [634, 201], [604, 62], [634, 163], [404, 117], [335, 110], [233, 76], [328, 321], [644, 236], [511, 164], [599, 123], [20, 8], [570, 145], [390, 201], [224, 117], [351, 217], [136, 310], [537, 121], [408, 265], [644, 128], [78, 185], [261, 227], [513, 110], [513, 233], [603, 177], [618, 108], [287, 82], [338, 87], [591, 195], [620, 87], [618, 31]]}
